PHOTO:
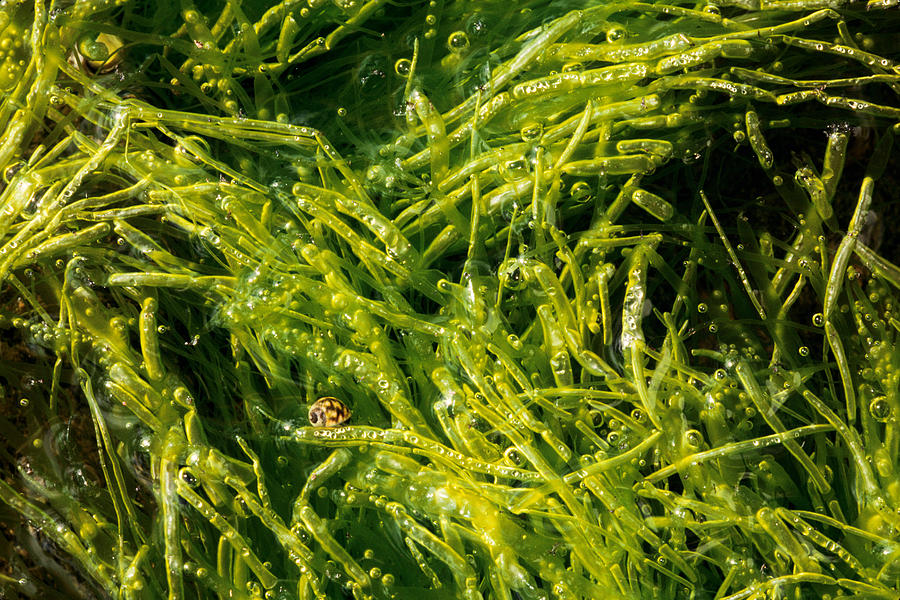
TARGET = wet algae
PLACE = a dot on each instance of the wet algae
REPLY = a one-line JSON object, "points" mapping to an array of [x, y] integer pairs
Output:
{"points": [[609, 292]]}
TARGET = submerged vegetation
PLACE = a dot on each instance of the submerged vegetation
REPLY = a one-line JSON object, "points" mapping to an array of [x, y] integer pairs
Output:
{"points": [[609, 290]]}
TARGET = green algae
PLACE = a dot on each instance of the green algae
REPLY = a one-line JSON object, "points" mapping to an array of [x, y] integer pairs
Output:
{"points": [[609, 289]]}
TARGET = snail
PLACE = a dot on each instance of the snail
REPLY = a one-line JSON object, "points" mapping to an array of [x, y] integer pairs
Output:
{"points": [[328, 412], [98, 54]]}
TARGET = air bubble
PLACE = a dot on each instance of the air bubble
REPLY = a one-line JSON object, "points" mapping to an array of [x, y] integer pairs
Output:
{"points": [[615, 34], [880, 409], [513, 457], [693, 438], [402, 67], [531, 132], [514, 170], [458, 41], [580, 191], [514, 341]]}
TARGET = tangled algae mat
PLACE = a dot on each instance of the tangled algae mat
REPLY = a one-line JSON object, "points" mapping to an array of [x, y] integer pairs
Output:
{"points": [[610, 290]]}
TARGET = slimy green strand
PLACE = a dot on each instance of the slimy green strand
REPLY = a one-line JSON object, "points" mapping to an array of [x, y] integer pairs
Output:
{"points": [[602, 299]]}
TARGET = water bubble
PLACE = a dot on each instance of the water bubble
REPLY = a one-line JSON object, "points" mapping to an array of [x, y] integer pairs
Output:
{"points": [[513, 170], [512, 456], [342, 112], [702, 307], [818, 320], [402, 67], [531, 132], [581, 191], [458, 41], [880, 409], [476, 26], [188, 477], [803, 351], [615, 34]]}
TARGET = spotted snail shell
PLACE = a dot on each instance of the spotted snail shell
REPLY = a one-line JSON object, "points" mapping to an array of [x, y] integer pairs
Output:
{"points": [[328, 412]]}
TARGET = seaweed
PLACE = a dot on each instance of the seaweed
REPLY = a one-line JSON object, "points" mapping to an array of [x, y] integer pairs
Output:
{"points": [[607, 290]]}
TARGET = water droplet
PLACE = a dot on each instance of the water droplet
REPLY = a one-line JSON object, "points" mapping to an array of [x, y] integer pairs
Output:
{"points": [[702, 307], [818, 320], [803, 351]]}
